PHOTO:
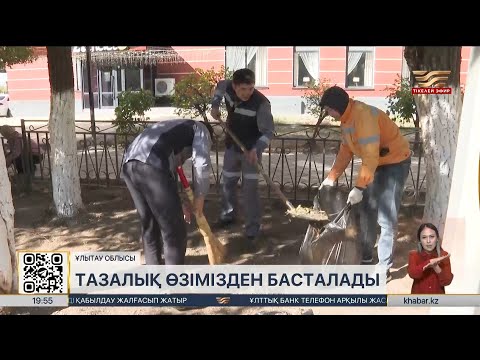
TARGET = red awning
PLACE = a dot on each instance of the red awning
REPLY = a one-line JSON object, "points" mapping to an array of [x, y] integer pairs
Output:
{"points": [[132, 55]]}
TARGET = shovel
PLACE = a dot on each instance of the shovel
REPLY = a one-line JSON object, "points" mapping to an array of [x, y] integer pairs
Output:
{"points": [[298, 212], [215, 249]]}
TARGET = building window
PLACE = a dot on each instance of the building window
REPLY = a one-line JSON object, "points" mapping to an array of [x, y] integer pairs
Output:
{"points": [[109, 82], [133, 79], [405, 68], [77, 74], [360, 67], [305, 65], [3, 81], [94, 84], [148, 79], [252, 57]]}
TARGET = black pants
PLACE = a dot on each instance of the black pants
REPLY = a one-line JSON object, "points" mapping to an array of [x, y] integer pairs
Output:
{"points": [[158, 204]]}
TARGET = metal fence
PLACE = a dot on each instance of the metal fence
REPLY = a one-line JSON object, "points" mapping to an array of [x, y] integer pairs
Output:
{"points": [[296, 160]]}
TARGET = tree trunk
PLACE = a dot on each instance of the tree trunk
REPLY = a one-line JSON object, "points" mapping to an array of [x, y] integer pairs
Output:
{"points": [[439, 117], [65, 179], [8, 260], [461, 229]]}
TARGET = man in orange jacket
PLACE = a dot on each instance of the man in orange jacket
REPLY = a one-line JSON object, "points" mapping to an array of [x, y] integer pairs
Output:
{"points": [[369, 134]]}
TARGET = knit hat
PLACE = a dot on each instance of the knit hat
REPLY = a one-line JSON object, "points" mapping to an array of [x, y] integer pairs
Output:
{"points": [[336, 98]]}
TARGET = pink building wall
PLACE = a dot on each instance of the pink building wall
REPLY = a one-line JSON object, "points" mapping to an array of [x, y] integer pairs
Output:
{"points": [[29, 82]]}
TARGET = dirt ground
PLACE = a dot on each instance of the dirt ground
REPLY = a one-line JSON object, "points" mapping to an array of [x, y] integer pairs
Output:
{"points": [[110, 223]]}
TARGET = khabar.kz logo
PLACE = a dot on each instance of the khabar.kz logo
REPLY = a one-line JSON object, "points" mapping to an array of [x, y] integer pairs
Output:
{"points": [[431, 82]]}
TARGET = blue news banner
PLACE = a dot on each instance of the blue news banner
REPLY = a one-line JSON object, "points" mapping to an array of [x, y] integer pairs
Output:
{"points": [[119, 279], [226, 300]]}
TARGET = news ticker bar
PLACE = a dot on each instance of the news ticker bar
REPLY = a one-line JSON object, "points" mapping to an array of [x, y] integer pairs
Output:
{"points": [[273, 300], [237, 300], [226, 300]]}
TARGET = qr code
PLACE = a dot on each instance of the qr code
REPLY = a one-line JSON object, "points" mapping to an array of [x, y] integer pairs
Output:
{"points": [[43, 273]]}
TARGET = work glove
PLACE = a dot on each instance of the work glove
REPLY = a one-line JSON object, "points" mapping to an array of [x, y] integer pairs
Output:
{"points": [[355, 196], [327, 182]]}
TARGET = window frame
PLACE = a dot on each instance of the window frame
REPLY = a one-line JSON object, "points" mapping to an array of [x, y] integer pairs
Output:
{"points": [[265, 69], [364, 49], [312, 49], [404, 68]]}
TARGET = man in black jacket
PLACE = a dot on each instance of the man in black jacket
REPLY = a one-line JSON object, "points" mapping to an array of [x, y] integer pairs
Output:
{"points": [[250, 119]]}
